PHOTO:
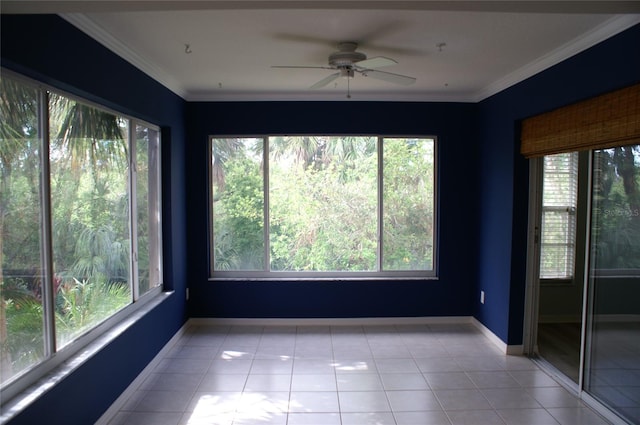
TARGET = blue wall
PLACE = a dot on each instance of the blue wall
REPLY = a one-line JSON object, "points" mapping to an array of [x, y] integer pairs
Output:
{"points": [[49, 49], [610, 65], [454, 125]]}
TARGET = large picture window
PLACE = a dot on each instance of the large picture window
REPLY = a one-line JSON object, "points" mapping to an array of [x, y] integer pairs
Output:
{"points": [[79, 220], [323, 206]]}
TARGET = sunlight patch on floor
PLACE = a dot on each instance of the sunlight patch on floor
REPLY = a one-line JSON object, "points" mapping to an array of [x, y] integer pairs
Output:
{"points": [[223, 409]]}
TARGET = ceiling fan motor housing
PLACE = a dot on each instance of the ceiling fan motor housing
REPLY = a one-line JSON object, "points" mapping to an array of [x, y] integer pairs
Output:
{"points": [[346, 55]]}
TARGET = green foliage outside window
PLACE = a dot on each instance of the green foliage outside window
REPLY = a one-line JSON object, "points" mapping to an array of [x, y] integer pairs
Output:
{"points": [[324, 196], [90, 223], [616, 208]]}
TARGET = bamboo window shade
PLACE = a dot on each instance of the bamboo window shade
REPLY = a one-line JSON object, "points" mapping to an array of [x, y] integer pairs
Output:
{"points": [[605, 121]]}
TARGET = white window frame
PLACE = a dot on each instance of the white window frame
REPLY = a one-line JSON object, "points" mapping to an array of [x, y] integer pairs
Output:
{"points": [[267, 274], [55, 357]]}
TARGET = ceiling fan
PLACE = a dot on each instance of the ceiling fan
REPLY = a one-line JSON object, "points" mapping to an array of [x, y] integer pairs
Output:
{"points": [[347, 61]]}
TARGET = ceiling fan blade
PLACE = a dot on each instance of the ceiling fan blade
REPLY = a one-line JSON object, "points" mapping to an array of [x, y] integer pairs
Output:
{"points": [[376, 62], [325, 81], [389, 77], [301, 67]]}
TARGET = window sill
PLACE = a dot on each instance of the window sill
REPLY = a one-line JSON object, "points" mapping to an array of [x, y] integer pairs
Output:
{"points": [[77, 355], [323, 279]]}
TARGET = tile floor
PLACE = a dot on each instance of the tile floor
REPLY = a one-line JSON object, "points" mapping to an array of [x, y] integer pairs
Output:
{"points": [[444, 374]]}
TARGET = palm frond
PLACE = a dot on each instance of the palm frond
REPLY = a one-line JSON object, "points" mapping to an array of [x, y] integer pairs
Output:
{"points": [[18, 117]]}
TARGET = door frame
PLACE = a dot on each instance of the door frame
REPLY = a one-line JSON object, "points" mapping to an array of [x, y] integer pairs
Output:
{"points": [[532, 289]]}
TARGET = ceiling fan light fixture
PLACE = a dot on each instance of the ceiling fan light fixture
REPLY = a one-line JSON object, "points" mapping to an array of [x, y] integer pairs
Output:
{"points": [[346, 72], [339, 59]]}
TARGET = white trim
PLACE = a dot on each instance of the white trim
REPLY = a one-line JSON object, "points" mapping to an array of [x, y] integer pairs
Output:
{"points": [[347, 321], [329, 96], [133, 387], [606, 30], [362, 321], [95, 31], [532, 282], [510, 350]]}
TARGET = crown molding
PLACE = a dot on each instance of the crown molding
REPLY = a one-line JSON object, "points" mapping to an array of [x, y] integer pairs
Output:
{"points": [[326, 96], [598, 34], [95, 31]]}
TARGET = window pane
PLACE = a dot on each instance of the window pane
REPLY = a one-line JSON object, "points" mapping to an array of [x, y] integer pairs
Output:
{"points": [[613, 331], [21, 275], [323, 203], [615, 225], [148, 208], [408, 216], [89, 201], [559, 203], [238, 203]]}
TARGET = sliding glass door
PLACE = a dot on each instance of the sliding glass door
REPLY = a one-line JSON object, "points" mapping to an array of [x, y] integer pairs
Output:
{"points": [[612, 355], [588, 274]]}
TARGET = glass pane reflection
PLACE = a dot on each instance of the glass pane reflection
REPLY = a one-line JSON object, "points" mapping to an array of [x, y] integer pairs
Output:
{"points": [[612, 373]]}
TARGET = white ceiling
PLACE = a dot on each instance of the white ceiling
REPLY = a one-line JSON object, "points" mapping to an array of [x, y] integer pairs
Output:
{"points": [[457, 50]]}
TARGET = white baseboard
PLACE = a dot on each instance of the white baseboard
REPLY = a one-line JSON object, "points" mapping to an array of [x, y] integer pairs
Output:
{"points": [[349, 321], [510, 350], [364, 321], [126, 394]]}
